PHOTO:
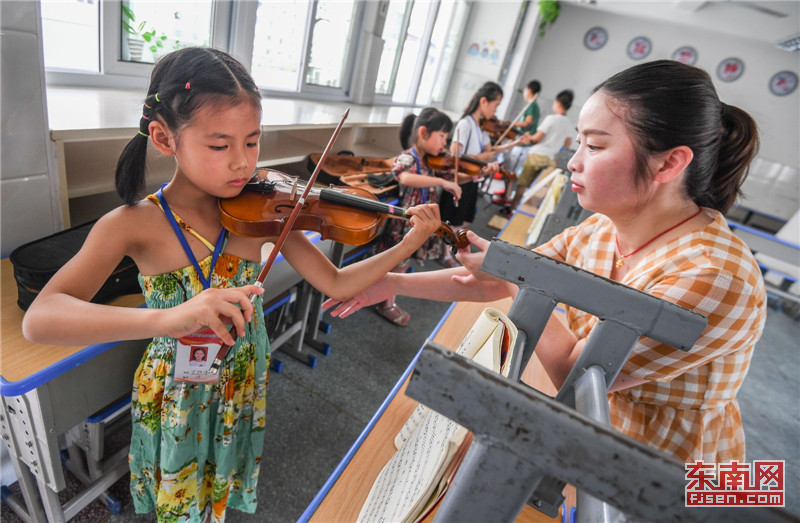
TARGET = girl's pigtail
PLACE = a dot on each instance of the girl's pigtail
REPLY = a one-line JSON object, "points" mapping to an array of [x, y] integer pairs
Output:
{"points": [[132, 163], [405, 131], [738, 147]]}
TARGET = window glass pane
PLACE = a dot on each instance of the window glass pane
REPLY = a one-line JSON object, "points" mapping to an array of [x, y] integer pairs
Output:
{"points": [[408, 60], [434, 56], [71, 34], [153, 29], [278, 47], [395, 16], [448, 55], [330, 42]]}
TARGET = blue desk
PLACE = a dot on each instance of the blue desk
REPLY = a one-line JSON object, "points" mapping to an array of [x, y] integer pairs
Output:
{"points": [[45, 391]]}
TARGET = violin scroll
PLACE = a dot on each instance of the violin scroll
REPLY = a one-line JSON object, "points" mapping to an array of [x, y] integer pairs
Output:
{"points": [[454, 239]]}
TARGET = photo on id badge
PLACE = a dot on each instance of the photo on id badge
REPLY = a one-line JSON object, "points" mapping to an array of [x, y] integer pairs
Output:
{"points": [[193, 356]]}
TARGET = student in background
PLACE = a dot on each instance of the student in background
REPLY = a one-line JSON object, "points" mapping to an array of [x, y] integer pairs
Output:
{"points": [[420, 136], [660, 159], [529, 122], [555, 132], [195, 447], [530, 118], [469, 139]]}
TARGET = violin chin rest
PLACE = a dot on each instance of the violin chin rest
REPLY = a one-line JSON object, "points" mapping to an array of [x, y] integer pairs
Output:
{"points": [[260, 186]]}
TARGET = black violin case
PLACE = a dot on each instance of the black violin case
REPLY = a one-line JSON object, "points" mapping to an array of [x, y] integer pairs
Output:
{"points": [[37, 261]]}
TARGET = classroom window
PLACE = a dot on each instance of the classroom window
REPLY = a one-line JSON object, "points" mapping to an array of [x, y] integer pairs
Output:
{"points": [[301, 46], [447, 42], [330, 38], [149, 30], [71, 35], [278, 46], [396, 24], [420, 44]]}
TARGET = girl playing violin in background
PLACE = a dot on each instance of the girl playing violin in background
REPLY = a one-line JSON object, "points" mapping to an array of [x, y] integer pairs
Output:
{"points": [[421, 136], [469, 139], [200, 439]]}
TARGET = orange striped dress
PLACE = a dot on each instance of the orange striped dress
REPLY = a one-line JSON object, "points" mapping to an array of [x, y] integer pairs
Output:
{"points": [[688, 406]]}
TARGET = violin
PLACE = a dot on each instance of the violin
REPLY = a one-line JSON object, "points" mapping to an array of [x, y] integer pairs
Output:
{"points": [[497, 128], [467, 164], [348, 215]]}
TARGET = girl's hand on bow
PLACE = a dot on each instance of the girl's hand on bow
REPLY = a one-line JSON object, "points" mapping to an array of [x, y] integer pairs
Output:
{"points": [[375, 293], [212, 309], [453, 188]]}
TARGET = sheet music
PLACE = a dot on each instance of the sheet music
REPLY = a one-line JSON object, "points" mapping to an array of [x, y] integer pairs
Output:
{"points": [[487, 331], [416, 476], [409, 478]]}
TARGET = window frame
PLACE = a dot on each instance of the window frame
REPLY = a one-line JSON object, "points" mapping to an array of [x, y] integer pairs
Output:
{"points": [[430, 23], [116, 73], [229, 14], [325, 92], [399, 51]]}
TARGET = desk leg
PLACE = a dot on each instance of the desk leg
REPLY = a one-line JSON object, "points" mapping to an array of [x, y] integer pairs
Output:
{"points": [[31, 510], [295, 332], [52, 506], [314, 324], [33, 446]]}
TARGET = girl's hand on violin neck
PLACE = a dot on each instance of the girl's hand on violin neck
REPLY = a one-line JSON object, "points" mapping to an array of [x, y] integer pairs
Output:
{"points": [[376, 293], [212, 309], [425, 220], [490, 168]]}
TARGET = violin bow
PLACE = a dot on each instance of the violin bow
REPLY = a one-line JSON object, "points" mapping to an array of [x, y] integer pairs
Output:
{"points": [[517, 118], [455, 169], [287, 228]]}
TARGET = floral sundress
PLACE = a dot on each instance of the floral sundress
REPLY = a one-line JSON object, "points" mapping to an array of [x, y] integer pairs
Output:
{"points": [[394, 230], [196, 448]]}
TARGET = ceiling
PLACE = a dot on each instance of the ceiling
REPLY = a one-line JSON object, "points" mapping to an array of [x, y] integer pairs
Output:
{"points": [[768, 22]]}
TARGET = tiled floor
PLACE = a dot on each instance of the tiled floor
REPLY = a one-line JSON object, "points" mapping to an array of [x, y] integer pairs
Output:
{"points": [[314, 415]]}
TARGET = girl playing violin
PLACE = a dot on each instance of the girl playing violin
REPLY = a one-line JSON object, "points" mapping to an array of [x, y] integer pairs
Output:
{"points": [[202, 440], [420, 136], [469, 139]]}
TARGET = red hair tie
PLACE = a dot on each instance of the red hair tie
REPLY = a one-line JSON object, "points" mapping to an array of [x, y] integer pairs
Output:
{"points": [[187, 85]]}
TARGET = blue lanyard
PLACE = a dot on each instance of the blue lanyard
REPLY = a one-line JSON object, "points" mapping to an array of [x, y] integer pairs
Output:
{"points": [[480, 134], [419, 171], [206, 281]]}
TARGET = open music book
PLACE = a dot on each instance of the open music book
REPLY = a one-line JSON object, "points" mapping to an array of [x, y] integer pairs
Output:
{"points": [[430, 446]]}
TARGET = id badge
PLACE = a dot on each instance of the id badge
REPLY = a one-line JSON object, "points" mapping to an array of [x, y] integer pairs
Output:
{"points": [[193, 357]]}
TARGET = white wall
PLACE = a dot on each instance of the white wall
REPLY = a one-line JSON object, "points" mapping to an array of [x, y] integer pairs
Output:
{"points": [[29, 207], [492, 40], [560, 61]]}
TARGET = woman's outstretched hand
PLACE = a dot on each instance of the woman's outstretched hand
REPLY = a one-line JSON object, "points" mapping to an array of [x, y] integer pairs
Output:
{"points": [[375, 293], [212, 309], [472, 261]]}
